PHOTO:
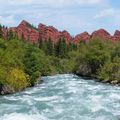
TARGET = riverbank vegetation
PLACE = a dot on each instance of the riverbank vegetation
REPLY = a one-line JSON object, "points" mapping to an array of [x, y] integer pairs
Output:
{"points": [[22, 63], [99, 59]]}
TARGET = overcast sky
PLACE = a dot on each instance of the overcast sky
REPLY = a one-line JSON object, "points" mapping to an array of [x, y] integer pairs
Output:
{"points": [[76, 16]]}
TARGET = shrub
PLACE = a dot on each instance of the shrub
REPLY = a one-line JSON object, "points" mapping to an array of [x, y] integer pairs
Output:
{"points": [[17, 79]]}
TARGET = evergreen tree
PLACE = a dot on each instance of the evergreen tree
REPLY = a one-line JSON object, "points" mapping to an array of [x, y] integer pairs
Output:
{"points": [[40, 43], [57, 48], [61, 48], [44, 45], [74, 47], [49, 47], [10, 35], [70, 46], [64, 48]]}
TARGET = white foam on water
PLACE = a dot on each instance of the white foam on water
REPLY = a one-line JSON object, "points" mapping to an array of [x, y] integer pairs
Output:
{"points": [[44, 99], [19, 116], [12, 98], [96, 103], [29, 92], [115, 96], [72, 90]]}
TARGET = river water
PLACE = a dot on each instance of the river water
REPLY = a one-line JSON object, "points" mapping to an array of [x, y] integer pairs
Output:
{"points": [[63, 97]]}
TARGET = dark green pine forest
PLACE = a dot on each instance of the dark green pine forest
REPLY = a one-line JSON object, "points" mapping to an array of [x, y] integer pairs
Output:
{"points": [[22, 62]]}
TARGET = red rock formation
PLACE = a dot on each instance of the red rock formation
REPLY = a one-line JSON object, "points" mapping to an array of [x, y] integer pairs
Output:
{"points": [[102, 34], [66, 36], [83, 36], [28, 31], [116, 36], [45, 32]]}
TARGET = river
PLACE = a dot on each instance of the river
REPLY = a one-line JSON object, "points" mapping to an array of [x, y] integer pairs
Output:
{"points": [[63, 97]]}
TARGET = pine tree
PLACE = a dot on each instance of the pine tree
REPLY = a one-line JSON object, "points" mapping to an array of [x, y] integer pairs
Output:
{"points": [[57, 48], [10, 35], [49, 49], [40, 43], [64, 49], [61, 48], [74, 47]]}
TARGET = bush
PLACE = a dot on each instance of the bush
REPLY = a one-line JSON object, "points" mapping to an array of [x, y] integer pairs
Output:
{"points": [[110, 71], [17, 79]]}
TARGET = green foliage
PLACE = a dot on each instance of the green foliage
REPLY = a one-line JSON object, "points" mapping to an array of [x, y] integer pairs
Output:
{"points": [[49, 47], [102, 58], [110, 72], [40, 43], [17, 79], [61, 48], [26, 58], [10, 35], [35, 63], [94, 54]]}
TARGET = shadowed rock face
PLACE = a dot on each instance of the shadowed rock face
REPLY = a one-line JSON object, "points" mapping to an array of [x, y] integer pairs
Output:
{"points": [[45, 32], [116, 36]]}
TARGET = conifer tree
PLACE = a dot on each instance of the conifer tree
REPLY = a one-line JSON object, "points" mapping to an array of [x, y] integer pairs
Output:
{"points": [[49, 49], [61, 48], [10, 35], [57, 48], [40, 43], [64, 49]]}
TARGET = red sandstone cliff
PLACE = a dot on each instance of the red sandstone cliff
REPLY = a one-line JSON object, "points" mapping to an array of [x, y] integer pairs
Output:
{"points": [[27, 30], [45, 32], [102, 34]]}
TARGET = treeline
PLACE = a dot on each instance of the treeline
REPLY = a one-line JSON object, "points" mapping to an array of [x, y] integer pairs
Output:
{"points": [[59, 49]]}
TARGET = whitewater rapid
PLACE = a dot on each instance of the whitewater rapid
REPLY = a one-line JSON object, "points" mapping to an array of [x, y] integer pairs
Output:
{"points": [[63, 97]]}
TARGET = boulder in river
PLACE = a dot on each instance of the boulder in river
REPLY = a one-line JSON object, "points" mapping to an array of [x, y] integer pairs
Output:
{"points": [[6, 89], [84, 70]]}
